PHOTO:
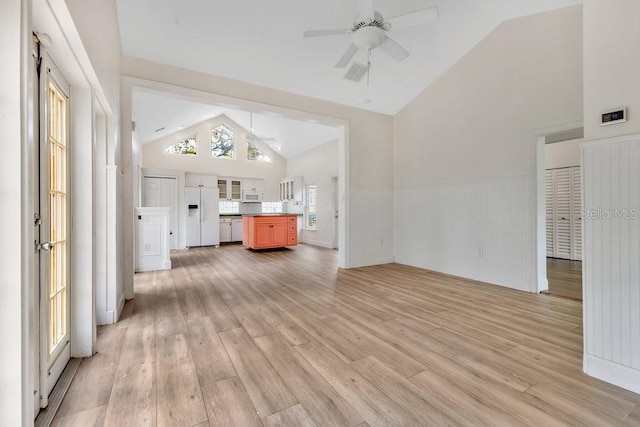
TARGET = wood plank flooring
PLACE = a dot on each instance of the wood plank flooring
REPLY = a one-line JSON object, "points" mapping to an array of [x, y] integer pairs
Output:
{"points": [[565, 278], [232, 337]]}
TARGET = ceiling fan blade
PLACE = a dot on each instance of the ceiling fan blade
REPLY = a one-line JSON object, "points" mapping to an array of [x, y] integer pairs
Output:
{"points": [[322, 33], [265, 140], [414, 19], [394, 50], [365, 9], [348, 56]]}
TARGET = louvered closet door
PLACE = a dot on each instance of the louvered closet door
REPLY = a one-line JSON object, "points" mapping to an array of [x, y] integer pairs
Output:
{"points": [[576, 198], [548, 188], [563, 213]]}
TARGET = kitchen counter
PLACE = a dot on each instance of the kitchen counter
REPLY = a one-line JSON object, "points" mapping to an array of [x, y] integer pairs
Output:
{"points": [[230, 215], [265, 231], [274, 214]]}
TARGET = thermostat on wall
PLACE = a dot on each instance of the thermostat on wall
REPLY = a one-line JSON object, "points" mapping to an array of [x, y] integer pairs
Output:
{"points": [[616, 116]]}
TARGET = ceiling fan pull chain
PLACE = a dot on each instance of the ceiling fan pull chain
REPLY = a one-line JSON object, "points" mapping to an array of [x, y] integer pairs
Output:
{"points": [[368, 65]]}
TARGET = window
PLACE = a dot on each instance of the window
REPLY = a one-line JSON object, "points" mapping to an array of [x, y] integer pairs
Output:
{"points": [[271, 207], [310, 220], [257, 155], [186, 146], [223, 143], [226, 207]]}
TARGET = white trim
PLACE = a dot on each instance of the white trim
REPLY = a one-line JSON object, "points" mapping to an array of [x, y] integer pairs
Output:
{"points": [[366, 262], [320, 243], [613, 373], [616, 140]]}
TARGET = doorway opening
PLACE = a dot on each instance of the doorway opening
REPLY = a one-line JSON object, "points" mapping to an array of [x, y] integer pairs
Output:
{"points": [[233, 111], [559, 167]]}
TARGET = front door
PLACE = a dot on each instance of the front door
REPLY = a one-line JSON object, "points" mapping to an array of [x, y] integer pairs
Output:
{"points": [[52, 217]]}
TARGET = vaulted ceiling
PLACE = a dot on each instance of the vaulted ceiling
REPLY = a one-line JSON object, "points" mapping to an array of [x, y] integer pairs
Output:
{"points": [[159, 114], [261, 42]]}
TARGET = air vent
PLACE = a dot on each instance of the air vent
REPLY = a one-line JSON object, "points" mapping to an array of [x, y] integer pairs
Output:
{"points": [[356, 72]]}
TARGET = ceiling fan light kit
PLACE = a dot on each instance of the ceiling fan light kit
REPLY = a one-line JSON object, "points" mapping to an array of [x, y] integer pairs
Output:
{"points": [[369, 32]]}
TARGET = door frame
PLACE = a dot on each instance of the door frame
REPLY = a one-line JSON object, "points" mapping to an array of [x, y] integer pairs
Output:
{"points": [[540, 283], [52, 367], [130, 83]]}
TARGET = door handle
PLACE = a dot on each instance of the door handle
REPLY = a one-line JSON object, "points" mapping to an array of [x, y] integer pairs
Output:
{"points": [[46, 246]]}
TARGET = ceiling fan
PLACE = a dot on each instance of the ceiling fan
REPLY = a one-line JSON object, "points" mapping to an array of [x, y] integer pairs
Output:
{"points": [[370, 28], [252, 138]]}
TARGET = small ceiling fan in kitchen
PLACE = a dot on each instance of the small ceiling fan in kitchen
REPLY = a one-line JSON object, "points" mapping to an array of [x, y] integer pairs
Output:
{"points": [[369, 31], [254, 139]]}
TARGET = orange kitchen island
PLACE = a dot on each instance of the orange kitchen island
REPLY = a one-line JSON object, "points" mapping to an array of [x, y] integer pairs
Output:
{"points": [[265, 231]]}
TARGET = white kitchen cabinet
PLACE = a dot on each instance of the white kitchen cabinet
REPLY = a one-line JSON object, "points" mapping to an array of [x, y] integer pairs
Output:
{"points": [[230, 189], [225, 230], [200, 180], [253, 184], [291, 189]]}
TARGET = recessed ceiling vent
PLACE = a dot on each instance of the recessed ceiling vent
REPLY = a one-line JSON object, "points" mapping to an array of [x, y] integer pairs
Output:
{"points": [[356, 72]]}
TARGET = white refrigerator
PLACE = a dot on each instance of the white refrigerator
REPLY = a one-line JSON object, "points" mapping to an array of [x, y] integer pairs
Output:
{"points": [[202, 216]]}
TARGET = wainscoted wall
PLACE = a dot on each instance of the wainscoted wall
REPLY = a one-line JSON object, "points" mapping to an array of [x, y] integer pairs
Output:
{"points": [[611, 268], [483, 230], [370, 213]]}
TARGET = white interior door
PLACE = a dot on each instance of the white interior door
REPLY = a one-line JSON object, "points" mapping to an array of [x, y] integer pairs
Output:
{"points": [[550, 201], [563, 213], [162, 192], [55, 348], [576, 198]]}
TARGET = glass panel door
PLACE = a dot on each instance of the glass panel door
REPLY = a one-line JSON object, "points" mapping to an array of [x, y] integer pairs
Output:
{"points": [[54, 247], [57, 293]]}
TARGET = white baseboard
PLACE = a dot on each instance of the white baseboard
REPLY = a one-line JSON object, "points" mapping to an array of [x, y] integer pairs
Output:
{"points": [[477, 276], [104, 317], [318, 243], [370, 261], [614, 373], [119, 309]]}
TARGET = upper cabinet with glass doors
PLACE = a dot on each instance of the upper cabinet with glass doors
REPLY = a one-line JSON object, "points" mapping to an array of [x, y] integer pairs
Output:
{"points": [[230, 189], [291, 189]]}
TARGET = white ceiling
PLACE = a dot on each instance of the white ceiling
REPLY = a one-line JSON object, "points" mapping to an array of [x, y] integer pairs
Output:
{"points": [[154, 110], [261, 42]]}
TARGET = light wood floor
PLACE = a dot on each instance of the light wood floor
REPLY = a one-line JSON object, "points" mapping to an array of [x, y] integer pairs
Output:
{"points": [[233, 337], [565, 278]]}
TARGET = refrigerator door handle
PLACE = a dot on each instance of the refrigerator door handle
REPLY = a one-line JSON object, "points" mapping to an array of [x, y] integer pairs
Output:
{"points": [[201, 211]]}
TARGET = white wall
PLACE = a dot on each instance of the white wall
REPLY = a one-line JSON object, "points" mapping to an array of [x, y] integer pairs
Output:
{"points": [[563, 154], [370, 198], [14, 325], [318, 166], [611, 276], [464, 152], [154, 156], [611, 70]]}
